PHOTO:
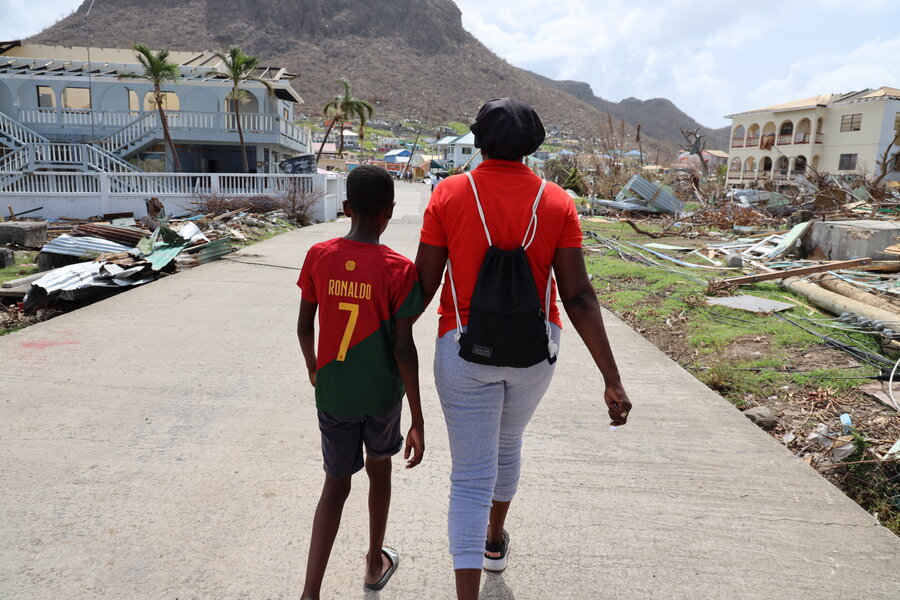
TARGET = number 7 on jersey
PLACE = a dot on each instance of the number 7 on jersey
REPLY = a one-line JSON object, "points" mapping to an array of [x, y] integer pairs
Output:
{"points": [[351, 325]]}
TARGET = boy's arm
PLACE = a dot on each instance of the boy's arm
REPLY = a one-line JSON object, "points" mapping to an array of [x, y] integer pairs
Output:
{"points": [[408, 364], [306, 333]]}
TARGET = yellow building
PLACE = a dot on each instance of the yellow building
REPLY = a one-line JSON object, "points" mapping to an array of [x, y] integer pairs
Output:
{"points": [[832, 133]]}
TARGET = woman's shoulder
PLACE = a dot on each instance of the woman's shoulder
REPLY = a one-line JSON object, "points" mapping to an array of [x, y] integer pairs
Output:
{"points": [[556, 197]]}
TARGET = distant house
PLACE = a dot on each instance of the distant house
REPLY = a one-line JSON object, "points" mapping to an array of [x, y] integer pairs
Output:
{"points": [[831, 133], [351, 139], [459, 151], [401, 155], [687, 161]]}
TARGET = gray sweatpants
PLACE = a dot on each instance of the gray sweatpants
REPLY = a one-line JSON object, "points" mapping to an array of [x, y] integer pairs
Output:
{"points": [[486, 409]]}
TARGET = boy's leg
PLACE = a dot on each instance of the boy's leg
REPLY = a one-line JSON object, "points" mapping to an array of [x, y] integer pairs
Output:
{"points": [[325, 528], [524, 391], [379, 472], [342, 439], [381, 435]]}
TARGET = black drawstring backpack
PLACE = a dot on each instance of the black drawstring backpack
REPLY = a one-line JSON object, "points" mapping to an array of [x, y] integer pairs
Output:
{"points": [[507, 327]]}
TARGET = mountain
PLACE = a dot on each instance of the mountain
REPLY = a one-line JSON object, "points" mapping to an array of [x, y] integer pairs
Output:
{"points": [[411, 58], [659, 118]]}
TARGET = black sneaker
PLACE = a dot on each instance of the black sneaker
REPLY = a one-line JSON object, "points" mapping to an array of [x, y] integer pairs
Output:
{"points": [[495, 555]]}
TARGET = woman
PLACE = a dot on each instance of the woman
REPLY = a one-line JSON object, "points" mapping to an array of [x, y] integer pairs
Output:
{"points": [[488, 407]]}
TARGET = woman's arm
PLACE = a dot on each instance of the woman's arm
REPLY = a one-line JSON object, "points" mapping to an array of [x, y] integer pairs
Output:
{"points": [[580, 301], [430, 263]]}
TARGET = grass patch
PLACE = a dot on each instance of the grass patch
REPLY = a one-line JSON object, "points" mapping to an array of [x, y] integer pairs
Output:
{"points": [[458, 127], [756, 359], [25, 265]]}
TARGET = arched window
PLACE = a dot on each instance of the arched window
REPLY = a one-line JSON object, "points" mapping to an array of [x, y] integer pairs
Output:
{"points": [[782, 165], [737, 137], [802, 135], [786, 133], [750, 168]]}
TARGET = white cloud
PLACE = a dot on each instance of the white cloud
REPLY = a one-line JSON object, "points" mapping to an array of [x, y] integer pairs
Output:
{"points": [[710, 58], [871, 64], [23, 18]]}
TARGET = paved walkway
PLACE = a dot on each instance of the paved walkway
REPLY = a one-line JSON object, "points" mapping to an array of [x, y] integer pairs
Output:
{"points": [[163, 444]]}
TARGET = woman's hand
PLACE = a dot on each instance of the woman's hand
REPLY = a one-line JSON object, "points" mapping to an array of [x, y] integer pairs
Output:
{"points": [[618, 404]]}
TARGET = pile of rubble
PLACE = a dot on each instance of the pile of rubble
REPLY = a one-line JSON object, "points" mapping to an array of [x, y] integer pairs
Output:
{"points": [[91, 259]]}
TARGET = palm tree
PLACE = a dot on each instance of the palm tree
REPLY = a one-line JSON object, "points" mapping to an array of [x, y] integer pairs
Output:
{"points": [[239, 68], [343, 108], [157, 70]]}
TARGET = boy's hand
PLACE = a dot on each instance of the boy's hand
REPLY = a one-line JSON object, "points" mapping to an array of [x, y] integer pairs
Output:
{"points": [[312, 377], [415, 445], [618, 404]]}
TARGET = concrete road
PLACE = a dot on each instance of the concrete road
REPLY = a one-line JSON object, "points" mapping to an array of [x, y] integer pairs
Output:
{"points": [[163, 444]]}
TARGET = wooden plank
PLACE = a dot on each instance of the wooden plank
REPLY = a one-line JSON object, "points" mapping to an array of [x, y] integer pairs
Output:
{"points": [[23, 280], [791, 239], [831, 266]]}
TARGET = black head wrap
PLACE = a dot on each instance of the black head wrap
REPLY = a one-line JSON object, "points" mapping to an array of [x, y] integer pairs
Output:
{"points": [[507, 129]]}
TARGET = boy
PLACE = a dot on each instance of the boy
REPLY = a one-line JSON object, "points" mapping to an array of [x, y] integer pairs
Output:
{"points": [[367, 296]]}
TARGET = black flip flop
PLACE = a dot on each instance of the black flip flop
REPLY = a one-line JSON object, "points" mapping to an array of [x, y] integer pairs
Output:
{"points": [[394, 559]]}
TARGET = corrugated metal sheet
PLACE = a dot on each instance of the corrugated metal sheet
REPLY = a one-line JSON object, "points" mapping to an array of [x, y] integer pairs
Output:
{"points": [[656, 197], [70, 277], [114, 233], [83, 246], [163, 255], [214, 250]]}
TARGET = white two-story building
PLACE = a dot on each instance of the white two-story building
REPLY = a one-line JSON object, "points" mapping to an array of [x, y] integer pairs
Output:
{"points": [[74, 127], [840, 134], [459, 151]]}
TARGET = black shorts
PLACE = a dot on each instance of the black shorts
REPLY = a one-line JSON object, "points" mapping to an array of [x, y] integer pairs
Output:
{"points": [[343, 437]]}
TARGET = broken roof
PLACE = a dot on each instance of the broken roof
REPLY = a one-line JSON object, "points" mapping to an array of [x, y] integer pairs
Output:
{"points": [[826, 100], [36, 59]]}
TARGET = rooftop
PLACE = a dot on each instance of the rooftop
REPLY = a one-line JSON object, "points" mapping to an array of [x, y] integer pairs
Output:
{"points": [[825, 100], [17, 58]]}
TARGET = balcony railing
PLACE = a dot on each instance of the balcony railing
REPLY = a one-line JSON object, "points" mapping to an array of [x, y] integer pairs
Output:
{"points": [[751, 142], [737, 143], [785, 140], [159, 184], [819, 138], [76, 117], [99, 193], [251, 123], [802, 137]]}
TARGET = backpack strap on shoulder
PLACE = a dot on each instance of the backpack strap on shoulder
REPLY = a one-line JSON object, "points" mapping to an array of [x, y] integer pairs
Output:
{"points": [[533, 223], [456, 302], [480, 210]]}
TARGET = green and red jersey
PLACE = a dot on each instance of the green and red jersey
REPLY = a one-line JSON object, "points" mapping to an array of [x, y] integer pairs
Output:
{"points": [[360, 289]]}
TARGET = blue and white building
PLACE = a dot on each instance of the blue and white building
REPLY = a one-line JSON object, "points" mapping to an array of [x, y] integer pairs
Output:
{"points": [[86, 140], [458, 151]]}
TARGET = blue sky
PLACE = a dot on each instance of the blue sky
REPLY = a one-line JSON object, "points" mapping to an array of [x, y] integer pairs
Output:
{"points": [[711, 58]]}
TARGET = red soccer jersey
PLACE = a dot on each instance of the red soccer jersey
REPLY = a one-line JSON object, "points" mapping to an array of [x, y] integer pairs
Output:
{"points": [[360, 289], [507, 190]]}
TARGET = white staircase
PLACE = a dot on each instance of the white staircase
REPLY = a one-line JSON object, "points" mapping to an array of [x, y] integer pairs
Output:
{"points": [[23, 151], [15, 135], [140, 132]]}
